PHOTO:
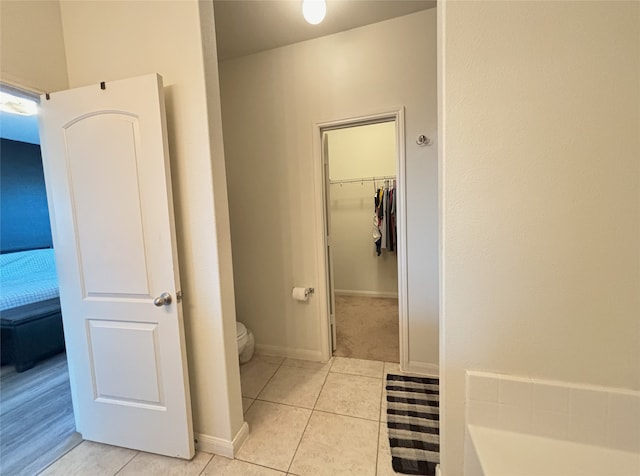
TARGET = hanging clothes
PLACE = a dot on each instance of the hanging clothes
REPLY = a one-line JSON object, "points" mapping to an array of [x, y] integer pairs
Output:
{"points": [[384, 193], [390, 214], [384, 217], [377, 235], [393, 221]]}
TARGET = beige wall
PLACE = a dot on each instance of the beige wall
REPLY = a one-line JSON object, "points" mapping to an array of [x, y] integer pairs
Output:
{"points": [[356, 152], [32, 46], [112, 40], [270, 103], [363, 151], [540, 126]]}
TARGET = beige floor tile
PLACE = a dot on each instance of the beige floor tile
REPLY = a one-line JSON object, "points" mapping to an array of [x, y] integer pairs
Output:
{"points": [[147, 463], [246, 403], [274, 433], [392, 368], [383, 404], [351, 395], [336, 444], [366, 368], [91, 458], [220, 466], [384, 467], [295, 386], [308, 364], [269, 359], [254, 375]]}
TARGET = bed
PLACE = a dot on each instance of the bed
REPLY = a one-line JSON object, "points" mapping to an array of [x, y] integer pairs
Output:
{"points": [[30, 317]]}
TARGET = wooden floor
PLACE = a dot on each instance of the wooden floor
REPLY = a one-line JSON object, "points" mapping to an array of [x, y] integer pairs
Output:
{"points": [[36, 417]]}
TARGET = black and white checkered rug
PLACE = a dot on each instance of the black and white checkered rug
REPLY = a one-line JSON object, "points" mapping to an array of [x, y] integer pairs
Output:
{"points": [[413, 421]]}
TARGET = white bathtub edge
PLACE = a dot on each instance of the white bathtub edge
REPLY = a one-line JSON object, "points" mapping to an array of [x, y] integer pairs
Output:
{"points": [[502, 453]]}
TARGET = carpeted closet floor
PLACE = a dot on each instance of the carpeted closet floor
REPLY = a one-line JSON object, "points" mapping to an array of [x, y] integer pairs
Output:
{"points": [[367, 328]]}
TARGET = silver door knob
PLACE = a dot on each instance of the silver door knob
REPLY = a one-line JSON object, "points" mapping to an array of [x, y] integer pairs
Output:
{"points": [[163, 300]]}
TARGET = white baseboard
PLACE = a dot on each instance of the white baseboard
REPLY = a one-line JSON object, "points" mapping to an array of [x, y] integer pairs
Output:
{"points": [[240, 438], [292, 353], [422, 368], [355, 292], [219, 446]]}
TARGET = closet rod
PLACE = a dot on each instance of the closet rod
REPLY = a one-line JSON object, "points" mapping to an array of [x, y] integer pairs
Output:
{"points": [[364, 179]]}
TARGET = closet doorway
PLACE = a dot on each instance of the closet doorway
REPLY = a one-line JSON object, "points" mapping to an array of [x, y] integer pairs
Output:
{"points": [[365, 250]]}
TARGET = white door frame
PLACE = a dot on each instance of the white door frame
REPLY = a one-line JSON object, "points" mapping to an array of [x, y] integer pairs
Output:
{"points": [[397, 115]]}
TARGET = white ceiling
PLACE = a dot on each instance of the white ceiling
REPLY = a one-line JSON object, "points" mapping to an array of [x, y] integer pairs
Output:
{"points": [[248, 26]]}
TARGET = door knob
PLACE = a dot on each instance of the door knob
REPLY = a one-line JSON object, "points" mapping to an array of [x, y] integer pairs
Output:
{"points": [[163, 300]]}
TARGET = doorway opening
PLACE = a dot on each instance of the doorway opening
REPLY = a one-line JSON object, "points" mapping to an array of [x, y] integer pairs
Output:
{"points": [[35, 397], [363, 216]]}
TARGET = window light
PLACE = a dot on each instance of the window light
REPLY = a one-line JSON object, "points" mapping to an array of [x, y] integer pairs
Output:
{"points": [[17, 105]]}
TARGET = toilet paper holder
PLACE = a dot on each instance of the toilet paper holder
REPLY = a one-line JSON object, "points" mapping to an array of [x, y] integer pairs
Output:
{"points": [[307, 293]]}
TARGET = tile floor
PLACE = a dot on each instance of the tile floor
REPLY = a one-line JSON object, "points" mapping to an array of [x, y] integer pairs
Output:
{"points": [[305, 418]]}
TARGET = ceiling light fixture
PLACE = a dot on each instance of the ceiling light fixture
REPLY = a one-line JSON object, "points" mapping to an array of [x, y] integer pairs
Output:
{"points": [[314, 11], [17, 105]]}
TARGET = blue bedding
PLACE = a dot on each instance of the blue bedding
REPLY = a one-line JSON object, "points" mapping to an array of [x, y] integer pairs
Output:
{"points": [[27, 277]]}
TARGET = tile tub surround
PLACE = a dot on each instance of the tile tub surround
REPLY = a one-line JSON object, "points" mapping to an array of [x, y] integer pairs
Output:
{"points": [[600, 416]]}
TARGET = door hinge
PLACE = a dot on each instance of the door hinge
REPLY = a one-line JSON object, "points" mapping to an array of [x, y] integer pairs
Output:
{"points": [[179, 296]]}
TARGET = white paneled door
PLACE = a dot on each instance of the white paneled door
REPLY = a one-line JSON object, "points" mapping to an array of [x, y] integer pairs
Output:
{"points": [[108, 183]]}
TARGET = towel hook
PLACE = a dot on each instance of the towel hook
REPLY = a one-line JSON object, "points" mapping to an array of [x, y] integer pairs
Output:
{"points": [[423, 140]]}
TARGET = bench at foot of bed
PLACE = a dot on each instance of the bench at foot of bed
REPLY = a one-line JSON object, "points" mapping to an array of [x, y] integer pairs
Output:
{"points": [[31, 333]]}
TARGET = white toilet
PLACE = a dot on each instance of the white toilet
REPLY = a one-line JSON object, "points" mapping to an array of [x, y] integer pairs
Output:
{"points": [[246, 342]]}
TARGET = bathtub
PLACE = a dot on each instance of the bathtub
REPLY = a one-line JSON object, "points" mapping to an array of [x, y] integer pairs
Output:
{"points": [[520, 426], [505, 453]]}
